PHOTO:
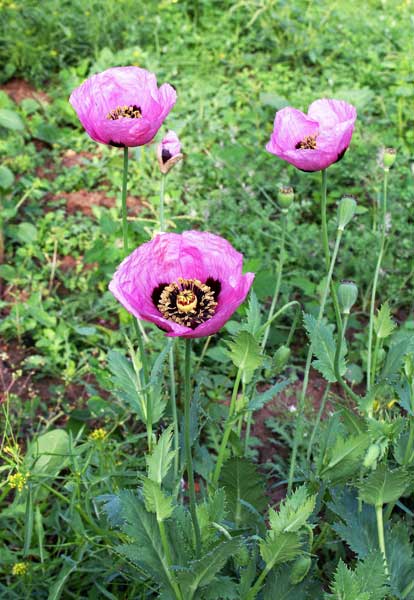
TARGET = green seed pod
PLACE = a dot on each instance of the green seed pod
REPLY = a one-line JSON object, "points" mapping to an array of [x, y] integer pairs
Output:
{"points": [[388, 157], [281, 358], [372, 455], [347, 296], [300, 569], [346, 210], [285, 197]]}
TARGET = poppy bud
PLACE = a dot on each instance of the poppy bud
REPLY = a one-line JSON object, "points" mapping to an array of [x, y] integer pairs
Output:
{"points": [[300, 569], [347, 296], [346, 210], [285, 197], [372, 456], [388, 157], [281, 358], [169, 152]]}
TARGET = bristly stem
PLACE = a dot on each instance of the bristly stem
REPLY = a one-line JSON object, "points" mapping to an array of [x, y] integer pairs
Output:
{"points": [[124, 201], [370, 375], [162, 193], [227, 428], [278, 277], [381, 540], [331, 264], [187, 444]]}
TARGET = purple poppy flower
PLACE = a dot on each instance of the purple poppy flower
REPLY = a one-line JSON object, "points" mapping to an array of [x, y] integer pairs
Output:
{"points": [[314, 141], [123, 106], [188, 284], [169, 152]]}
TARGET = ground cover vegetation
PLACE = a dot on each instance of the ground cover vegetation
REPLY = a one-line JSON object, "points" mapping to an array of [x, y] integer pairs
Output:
{"points": [[275, 457]]}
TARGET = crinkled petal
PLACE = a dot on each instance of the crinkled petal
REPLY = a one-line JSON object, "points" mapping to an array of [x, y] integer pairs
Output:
{"points": [[291, 126], [329, 112], [170, 256], [120, 86]]}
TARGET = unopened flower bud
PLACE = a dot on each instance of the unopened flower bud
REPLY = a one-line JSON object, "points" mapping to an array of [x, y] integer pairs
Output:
{"points": [[372, 456], [285, 197], [169, 152], [388, 157], [281, 358], [300, 569], [346, 210], [347, 296]]}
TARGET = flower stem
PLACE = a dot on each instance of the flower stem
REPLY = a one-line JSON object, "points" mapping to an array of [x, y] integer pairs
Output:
{"points": [[187, 444], [278, 278], [167, 552], [174, 412], [381, 541], [318, 420], [370, 375], [124, 199], [301, 404], [227, 428], [162, 192]]}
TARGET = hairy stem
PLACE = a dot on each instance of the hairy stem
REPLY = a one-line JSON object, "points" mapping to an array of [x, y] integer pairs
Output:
{"points": [[370, 375], [381, 541], [187, 444], [124, 199], [162, 192]]}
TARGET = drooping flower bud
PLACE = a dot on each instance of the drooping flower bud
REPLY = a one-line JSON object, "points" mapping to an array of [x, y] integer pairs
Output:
{"points": [[346, 210], [281, 358], [347, 296], [388, 157], [300, 569], [169, 152], [285, 197]]}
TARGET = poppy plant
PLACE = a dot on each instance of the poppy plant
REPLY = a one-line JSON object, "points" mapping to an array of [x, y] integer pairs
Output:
{"points": [[188, 284], [314, 141], [123, 106]]}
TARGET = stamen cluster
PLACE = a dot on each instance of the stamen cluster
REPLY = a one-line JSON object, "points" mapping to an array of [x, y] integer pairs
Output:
{"points": [[125, 112], [188, 302]]}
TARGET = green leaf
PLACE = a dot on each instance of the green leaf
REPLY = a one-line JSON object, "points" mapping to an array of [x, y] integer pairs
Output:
{"points": [[259, 400], [142, 527], [211, 510], [400, 560], [10, 120], [245, 354], [49, 453], [280, 548], [155, 501], [278, 586], [26, 233], [371, 576], [345, 585], [383, 323], [343, 459], [383, 485], [126, 382], [6, 178], [253, 315], [159, 462], [396, 354], [242, 483], [221, 588], [201, 572], [358, 528], [293, 512], [324, 348]]}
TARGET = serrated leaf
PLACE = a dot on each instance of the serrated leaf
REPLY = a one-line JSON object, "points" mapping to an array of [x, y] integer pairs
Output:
{"points": [[345, 585], [201, 572], [383, 323], [324, 347], [159, 462], [342, 459], [260, 399], [245, 354], [155, 500], [383, 486], [358, 528], [371, 576], [127, 383], [253, 315], [242, 482], [293, 512], [221, 588], [278, 586], [400, 560], [396, 354], [212, 510], [280, 548]]}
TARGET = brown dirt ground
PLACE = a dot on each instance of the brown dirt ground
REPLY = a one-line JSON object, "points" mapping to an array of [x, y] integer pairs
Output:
{"points": [[19, 89], [83, 200]]}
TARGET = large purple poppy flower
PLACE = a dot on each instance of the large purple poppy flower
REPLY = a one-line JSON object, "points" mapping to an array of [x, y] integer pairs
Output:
{"points": [[188, 284], [123, 106], [314, 141]]}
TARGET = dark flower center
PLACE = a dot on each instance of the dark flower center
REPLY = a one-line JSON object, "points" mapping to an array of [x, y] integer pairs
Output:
{"points": [[125, 112], [188, 302], [165, 155], [308, 143]]}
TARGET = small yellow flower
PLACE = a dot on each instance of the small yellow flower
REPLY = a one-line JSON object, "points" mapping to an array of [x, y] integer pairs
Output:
{"points": [[20, 568], [18, 481], [392, 402], [375, 405], [98, 435]]}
